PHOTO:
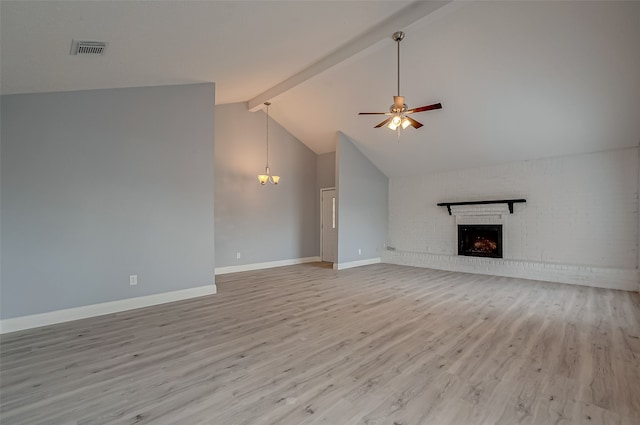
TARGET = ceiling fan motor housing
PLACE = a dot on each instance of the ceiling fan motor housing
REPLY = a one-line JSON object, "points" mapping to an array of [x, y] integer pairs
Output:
{"points": [[398, 105]]}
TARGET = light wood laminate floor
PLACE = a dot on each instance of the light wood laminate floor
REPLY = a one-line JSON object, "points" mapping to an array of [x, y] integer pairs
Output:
{"points": [[380, 344]]}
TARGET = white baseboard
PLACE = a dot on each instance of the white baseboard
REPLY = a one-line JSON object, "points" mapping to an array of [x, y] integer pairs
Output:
{"points": [[268, 265], [351, 264], [599, 277], [43, 319]]}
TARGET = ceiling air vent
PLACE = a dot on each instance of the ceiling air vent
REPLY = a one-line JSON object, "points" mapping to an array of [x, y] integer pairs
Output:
{"points": [[88, 47]]}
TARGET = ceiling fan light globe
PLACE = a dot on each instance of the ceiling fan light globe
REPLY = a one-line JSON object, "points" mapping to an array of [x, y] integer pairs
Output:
{"points": [[392, 126], [405, 123]]}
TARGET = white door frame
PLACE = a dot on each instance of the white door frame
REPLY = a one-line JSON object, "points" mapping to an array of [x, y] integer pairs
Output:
{"points": [[322, 219]]}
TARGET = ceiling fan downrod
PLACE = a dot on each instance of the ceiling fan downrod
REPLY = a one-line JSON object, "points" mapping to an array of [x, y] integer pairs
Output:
{"points": [[398, 36]]}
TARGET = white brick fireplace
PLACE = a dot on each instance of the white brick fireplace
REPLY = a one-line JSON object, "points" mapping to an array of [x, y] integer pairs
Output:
{"points": [[578, 226]]}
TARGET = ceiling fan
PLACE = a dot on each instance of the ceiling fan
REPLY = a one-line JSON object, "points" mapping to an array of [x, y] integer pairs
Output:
{"points": [[398, 112]]}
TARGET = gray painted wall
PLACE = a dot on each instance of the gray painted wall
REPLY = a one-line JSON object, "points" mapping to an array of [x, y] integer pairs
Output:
{"points": [[363, 193], [98, 185], [263, 223], [326, 175]]}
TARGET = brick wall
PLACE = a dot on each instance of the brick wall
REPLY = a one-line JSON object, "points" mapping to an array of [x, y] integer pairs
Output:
{"points": [[579, 225]]}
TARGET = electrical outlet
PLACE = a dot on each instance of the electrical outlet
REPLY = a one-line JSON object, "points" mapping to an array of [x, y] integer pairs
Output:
{"points": [[359, 251], [237, 255], [133, 279]]}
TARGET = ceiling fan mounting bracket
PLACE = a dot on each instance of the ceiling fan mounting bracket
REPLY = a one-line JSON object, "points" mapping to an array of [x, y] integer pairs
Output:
{"points": [[398, 36]]}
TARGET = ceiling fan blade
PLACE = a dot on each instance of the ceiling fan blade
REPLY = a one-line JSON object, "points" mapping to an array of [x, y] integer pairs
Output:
{"points": [[383, 122], [425, 108], [414, 123], [374, 113]]}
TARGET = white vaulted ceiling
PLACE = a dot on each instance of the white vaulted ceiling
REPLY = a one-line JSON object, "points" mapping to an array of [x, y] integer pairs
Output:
{"points": [[518, 80]]}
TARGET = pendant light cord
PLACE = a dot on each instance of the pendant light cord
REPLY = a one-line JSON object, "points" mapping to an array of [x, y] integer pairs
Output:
{"points": [[267, 103]]}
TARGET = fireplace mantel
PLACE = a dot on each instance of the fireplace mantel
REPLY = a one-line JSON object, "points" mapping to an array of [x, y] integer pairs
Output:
{"points": [[509, 203]]}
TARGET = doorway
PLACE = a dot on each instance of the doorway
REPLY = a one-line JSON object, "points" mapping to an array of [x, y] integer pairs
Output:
{"points": [[328, 225]]}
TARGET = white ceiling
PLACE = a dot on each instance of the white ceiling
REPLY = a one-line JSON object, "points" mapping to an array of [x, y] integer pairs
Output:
{"points": [[518, 80]]}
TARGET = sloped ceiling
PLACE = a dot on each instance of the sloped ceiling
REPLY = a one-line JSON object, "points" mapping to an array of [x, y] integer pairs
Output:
{"points": [[518, 80]]}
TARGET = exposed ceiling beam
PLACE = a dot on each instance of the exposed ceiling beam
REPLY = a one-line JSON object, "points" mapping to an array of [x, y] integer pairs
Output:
{"points": [[399, 20]]}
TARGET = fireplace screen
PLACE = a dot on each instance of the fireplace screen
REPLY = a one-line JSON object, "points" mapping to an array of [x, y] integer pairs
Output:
{"points": [[480, 240]]}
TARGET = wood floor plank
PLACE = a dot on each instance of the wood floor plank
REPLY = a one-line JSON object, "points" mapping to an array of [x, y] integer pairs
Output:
{"points": [[306, 345]]}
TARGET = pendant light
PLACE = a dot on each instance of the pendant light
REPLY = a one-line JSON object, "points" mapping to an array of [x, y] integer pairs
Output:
{"points": [[267, 177]]}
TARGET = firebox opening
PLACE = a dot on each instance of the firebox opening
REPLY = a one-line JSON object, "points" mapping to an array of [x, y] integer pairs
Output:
{"points": [[480, 240]]}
